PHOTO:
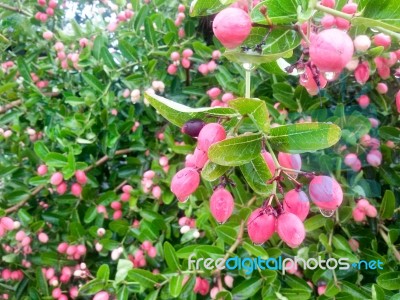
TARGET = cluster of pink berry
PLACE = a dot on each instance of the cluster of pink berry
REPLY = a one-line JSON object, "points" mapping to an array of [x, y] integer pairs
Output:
{"points": [[7, 65], [72, 251], [139, 259], [16, 275], [73, 57], [123, 16], [177, 61], [43, 16], [5, 133], [148, 176], [179, 20], [57, 179], [201, 286], [7, 224], [210, 66], [329, 21], [364, 209], [214, 93], [33, 135]]}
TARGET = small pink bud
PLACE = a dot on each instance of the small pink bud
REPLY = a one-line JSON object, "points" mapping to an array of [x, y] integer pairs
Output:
{"points": [[227, 97], [81, 177], [184, 183], [328, 21], [321, 289], [7, 223], [111, 27], [185, 63], [71, 250], [216, 54], [149, 174], [221, 205], [374, 158], [260, 226], [328, 3], [163, 161], [350, 8], [382, 39], [56, 178], [187, 53], [175, 56], [371, 211], [115, 205], [172, 69], [212, 66], [48, 35], [358, 214], [125, 197], [62, 248], [101, 296], [50, 11], [228, 281], [156, 192], [56, 293], [363, 101], [152, 252], [269, 161], [20, 235], [127, 188], [210, 134], [214, 92], [361, 73], [362, 43], [43, 238], [382, 88], [62, 188], [203, 69], [42, 170], [26, 241], [326, 192], [350, 159], [53, 4], [117, 214], [76, 189], [354, 244]]}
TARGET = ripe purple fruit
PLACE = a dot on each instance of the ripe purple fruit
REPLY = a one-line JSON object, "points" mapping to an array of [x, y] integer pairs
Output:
{"points": [[326, 192], [193, 127], [221, 205]]}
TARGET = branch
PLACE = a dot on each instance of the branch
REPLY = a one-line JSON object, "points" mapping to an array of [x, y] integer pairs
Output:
{"points": [[22, 203], [12, 8], [11, 105], [106, 157], [391, 246]]}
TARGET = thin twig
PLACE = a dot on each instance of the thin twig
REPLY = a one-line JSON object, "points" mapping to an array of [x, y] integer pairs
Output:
{"points": [[16, 9], [22, 203], [120, 185], [11, 105], [106, 157]]}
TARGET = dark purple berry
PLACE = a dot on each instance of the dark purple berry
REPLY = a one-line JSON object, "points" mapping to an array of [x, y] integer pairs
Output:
{"points": [[193, 127]]}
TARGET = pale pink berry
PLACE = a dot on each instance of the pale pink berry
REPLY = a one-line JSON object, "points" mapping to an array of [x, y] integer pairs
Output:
{"points": [[117, 214], [290, 229], [149, 174], [185, 63], [328, 21], [363, 101], [56, 178], [296, 202], [350, 159], [211, 133], [227, 97], [374, 158], [342, 24], [212, 66], [201, 286], [42, 170], [232, 26], [187, 53], [20, 235], [371, 211], [156, 192], [214, 92], [43, 238], [48, 35], [269, 161], [350, 8], [374, 122], [181, 8], [290, 161], [71, 250], [181, 33], [81, 177], [7, 223], [50, 11], [26, 241], [307, 80], [101, 296], [321, 290], [260, 226], [216, 54], [184, 183], [200, 158], [152, 252], [175, 56], [62, 248], [41, 2], [73, 292], [326, 192], [217, 103], [76, 189], [221, 205], [56, 293], [128, 14], [382, 39], [362, 43], [111, 27], [163, 161], [328, 3], [62, 188], [228, 281], [172, 69], [115, 205], [331, 50], [354, 244], [203, 69], [382, 88], [53, 4], [361, 73]]}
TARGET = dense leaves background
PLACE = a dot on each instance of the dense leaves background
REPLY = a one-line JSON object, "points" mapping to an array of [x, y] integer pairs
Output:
{"points": [[81, 131]]}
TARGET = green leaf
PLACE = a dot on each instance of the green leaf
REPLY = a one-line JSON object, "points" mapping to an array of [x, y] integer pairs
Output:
{"points": [[339, 242], [178, 114], [314, 222], [175, 285], [170, 257], [93, 82], [24, 69], [256, 109], [226, 233], [236, 151], [388, 205], [377, 292], [24, 217], [385, 11], [279, 12], [257, 173], [41, 282], [108, 59], [389, 281], [299, 138], [103, 273], [41, 150], [247, 288], [331, 289], [279, 44], [127, 50], [57, 160], [123, 293], [212, 171], [124, 266], [390, 133], [149, 32], [208, 7], [145, 278], [344, 254], [92, 287]]}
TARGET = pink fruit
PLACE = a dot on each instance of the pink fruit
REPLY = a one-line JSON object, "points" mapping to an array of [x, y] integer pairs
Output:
{"points": [[307, 80], [187, 53], [227, 97], [260, 226], [290, 229], [321, 290], [175, 56], [382, 39], [111, 27], [290, 161], [326, 192], [374, 158], [296, 202], [56, 293], [41, 2], [62, 188], [83, 42], [203, 69], [200, 158], [172, 69], [358, 215], [214, 92], [43, 238], [398, 101], [361, 73], [328, 3], [76, 189], [362, 43], [201, 286], [371, 211], [184, 183], [381, 88], [149, 174], [331, 50], [374, 122], [228, 281], [363, 101], [56, 178], [181, 8], [350, 159], [185, 63], [117, 214], [269, 161], [221, 205], [210, 134], [216, 54], [48, 35], [42, 170], [342, 24], [7, 223], [101, 296], [354, 244], [350, 8], [115, 205], [156, 192], [53, 4], [62, 248], [152, 252], [231, 27], [212, 66], [328, 21], [81, 177]]}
